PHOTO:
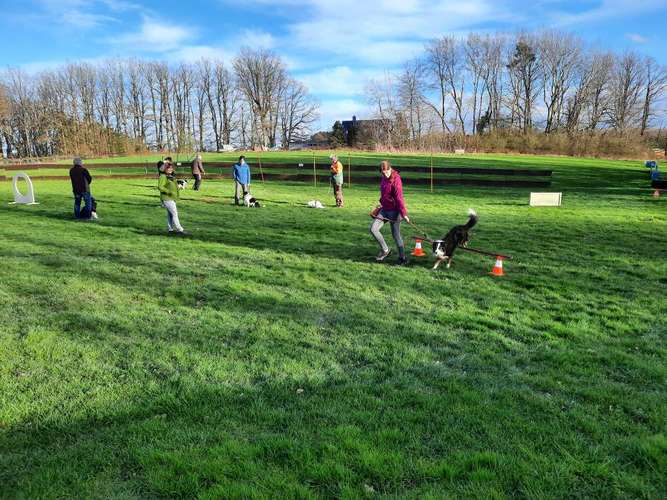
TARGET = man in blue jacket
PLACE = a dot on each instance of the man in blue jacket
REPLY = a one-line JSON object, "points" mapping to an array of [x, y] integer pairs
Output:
{"points": [[241, 179]]}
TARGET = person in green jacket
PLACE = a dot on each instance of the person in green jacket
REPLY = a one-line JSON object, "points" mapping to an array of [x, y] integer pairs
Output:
{"points": [[169, 196]]}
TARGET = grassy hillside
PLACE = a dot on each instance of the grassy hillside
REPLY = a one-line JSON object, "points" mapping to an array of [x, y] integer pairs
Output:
{"points": [[267, 355]]}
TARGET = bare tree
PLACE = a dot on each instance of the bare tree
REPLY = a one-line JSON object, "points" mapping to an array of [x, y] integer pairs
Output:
{"points": [[6, 142], [261, 77], [436, 64], [493, 48], [523, 72], [655, 78], [591, 75], [227, 99], [202, 87], [452, 59], [560, 55], [627, 81], [474, 50], [411, 88], [118, 90], [137, 96], [381, 95], [297, 112]]}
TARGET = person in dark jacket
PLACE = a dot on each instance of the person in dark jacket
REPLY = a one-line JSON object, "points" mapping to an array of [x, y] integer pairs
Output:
{"points": [[197, 171], [81, 180], [392, 209]]}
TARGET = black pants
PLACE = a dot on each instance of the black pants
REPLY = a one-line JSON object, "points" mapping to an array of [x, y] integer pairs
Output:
{"points": [[197, 181]]}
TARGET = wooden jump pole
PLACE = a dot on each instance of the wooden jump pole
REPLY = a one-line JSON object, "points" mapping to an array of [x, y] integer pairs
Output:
{"points": [[467, 249], [349, 170], [483, 252]]}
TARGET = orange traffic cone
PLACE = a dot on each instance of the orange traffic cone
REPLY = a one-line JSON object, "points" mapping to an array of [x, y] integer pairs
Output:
{"points": [[498, 268], [418, 252]]}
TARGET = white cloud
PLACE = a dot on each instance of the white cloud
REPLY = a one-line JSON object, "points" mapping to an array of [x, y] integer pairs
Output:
{"points": [[193, 53], [388, 52], [84, 20], [341, 81], [636, 37], [155, 36], [384, 32], [256, 39], [339, 109], [82, 14], [35, 67], [604, 10], [122, 5]]}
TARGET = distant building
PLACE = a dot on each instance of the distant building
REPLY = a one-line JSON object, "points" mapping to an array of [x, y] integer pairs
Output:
{"points": [[363, 131], [350, 129], [319, 140]]}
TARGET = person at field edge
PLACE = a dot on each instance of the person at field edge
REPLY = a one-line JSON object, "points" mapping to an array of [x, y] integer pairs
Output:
{"points": [[337, 179], [197, 171], [169, 196], [81, 180], [241, 172], [392, 209]]}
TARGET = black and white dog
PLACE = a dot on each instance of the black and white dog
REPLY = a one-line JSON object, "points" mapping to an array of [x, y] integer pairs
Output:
{"points": [[250, 201], [457, 236], [182, 183]]}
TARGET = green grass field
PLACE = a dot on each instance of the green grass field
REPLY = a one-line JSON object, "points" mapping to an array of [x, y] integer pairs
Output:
{"points": [[266, 355]]}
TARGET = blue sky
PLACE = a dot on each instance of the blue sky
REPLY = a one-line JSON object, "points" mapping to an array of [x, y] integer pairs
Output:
{"points": [[333, 46]]}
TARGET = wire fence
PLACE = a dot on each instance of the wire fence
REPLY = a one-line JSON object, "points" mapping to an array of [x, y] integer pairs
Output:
{"points": [[429, 171]]}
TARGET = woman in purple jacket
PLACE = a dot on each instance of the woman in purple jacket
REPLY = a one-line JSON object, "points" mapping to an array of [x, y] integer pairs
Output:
{"points": [[392, 209]]}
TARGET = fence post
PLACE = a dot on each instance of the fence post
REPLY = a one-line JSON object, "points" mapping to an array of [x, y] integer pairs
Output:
{"points": [[314, 171], [261, 172], [431, 171]]}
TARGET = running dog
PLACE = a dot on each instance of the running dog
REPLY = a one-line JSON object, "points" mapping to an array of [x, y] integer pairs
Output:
{"points": [[457, 236], [182, 183]]}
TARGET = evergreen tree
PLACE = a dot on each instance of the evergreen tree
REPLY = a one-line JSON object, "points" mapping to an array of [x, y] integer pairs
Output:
{"points": [[337, 135]]}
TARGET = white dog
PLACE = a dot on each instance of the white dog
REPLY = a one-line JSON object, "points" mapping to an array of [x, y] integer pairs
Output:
{"points": [[182, 183], [315, 204]]}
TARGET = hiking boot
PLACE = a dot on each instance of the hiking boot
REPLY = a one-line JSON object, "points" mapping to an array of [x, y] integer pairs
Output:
{"points": [[402, 262], [382, 255]]}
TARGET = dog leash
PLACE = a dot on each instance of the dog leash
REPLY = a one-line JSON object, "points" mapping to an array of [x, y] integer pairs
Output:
{"points": [[419, 229]]}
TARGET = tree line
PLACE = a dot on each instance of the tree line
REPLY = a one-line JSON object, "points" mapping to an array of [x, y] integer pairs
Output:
{"points": [[546, 83], [126, 106]]}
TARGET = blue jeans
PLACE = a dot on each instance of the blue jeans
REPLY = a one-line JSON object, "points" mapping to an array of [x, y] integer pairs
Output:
{"points": [[87, 209]]}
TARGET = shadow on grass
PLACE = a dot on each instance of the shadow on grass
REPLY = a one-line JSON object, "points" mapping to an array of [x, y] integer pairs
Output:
{"points": [[184, 438], [345, 432]]}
